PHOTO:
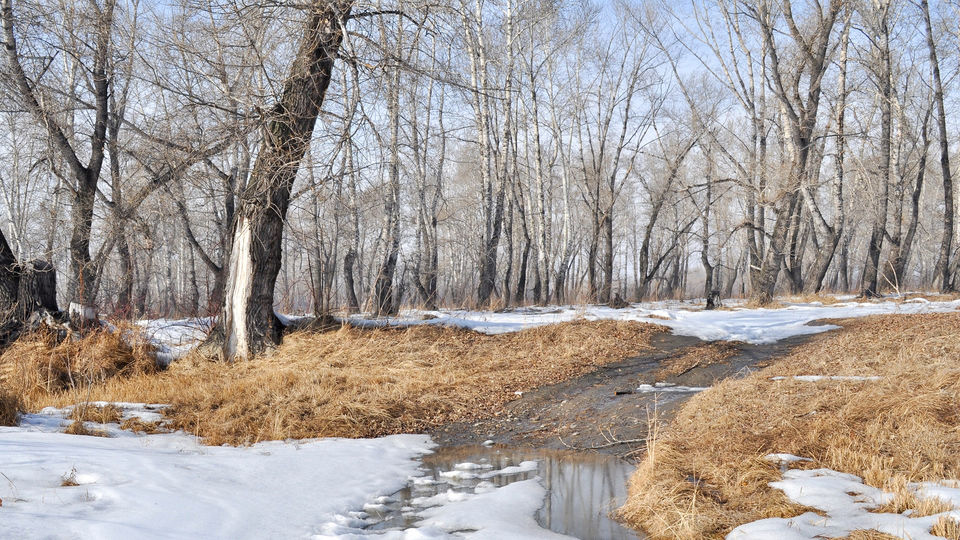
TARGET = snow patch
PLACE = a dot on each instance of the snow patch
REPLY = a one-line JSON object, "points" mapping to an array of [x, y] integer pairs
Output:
{"points": [[667, 387], [170, 486], [846, 502]]}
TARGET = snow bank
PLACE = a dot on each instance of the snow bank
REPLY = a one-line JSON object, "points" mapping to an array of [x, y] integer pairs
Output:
{"points": [[169, 486], [847, 502], [760, 325]]}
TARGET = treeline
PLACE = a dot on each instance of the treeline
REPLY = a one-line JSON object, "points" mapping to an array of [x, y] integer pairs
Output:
{"points": [[477, 152]]}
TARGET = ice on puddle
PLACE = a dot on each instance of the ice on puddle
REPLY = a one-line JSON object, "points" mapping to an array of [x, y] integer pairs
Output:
{"points": [[847, 503], [472, 466], [459, 475], [523, 467]]}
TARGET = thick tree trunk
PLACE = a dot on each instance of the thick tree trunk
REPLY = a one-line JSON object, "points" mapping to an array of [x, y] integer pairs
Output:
{"points": [[250, 325]]}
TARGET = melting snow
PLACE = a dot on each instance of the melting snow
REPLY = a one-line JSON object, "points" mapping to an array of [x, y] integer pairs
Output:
{"points": [[170, 486], [667, 387], [761, 325], [846, 502]]}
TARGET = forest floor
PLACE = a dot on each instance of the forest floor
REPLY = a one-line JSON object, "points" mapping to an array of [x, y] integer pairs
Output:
{"points": [[584, 377]]}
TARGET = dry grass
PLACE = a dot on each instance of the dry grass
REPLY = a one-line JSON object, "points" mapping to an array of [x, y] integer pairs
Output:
{"points": [[361, 383], [39, 365], [100, 414], [77, 427], [902, 428], [137, 425], [9, 408], [694, 357], [824, 298], [871, 535], [947, 528]]}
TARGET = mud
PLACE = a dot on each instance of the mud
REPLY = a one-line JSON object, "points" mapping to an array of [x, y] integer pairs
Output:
{"points": [[603, 410]]}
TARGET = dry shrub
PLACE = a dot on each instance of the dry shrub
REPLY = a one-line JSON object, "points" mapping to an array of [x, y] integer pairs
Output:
{"points": [[902, 428], [364, 383], [41, 364], [9, 408], [694, 357], [77, 427]]}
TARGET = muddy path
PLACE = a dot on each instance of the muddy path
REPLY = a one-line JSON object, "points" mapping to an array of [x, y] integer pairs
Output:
{"points": [[609, 410]]}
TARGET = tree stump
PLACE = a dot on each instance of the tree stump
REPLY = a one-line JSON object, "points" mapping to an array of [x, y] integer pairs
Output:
{"points": [[713, 300], [28, 294]]}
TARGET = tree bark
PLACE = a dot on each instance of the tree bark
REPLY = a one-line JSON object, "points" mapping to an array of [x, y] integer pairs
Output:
{"points": [[942, 271], [250, 324]]}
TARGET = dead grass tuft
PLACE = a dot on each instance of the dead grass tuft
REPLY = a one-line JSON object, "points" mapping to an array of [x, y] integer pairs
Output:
{"points": [[946, 527], [69, 479], [137, 425], [871, 535], [363, 383], [9, 408], [78, 427], [902, 428], [100, 414], [41, 364], [823, 298]]}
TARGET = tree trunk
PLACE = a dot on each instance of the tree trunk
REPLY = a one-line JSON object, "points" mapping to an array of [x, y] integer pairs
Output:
{"points": [[250, 325], [872, 266], [942, 271]]}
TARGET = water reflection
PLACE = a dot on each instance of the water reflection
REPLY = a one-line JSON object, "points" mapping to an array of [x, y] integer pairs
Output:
{"points": [[582, 489]]}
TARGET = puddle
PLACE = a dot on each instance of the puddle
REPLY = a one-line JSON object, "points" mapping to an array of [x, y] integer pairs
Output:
{"points": [[582, 489]]}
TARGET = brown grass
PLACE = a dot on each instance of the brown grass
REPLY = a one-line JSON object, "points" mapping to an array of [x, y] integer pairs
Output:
{"points": [[694, 357], [40, 364], [9, 408], [77, 427], [947, 528], [137, 425], [902, 428], [101, 414], [362, 383]]}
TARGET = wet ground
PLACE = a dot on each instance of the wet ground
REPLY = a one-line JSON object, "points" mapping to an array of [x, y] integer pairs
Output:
{"points": [[582, 488], [604, 411], [586, 433]]}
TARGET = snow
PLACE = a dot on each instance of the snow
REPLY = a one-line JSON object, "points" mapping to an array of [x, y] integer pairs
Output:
{"points": [[847, 503], [170, 486], [667, 387], [752, 325], [175, 338], [785, 458], [483, 512]]}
